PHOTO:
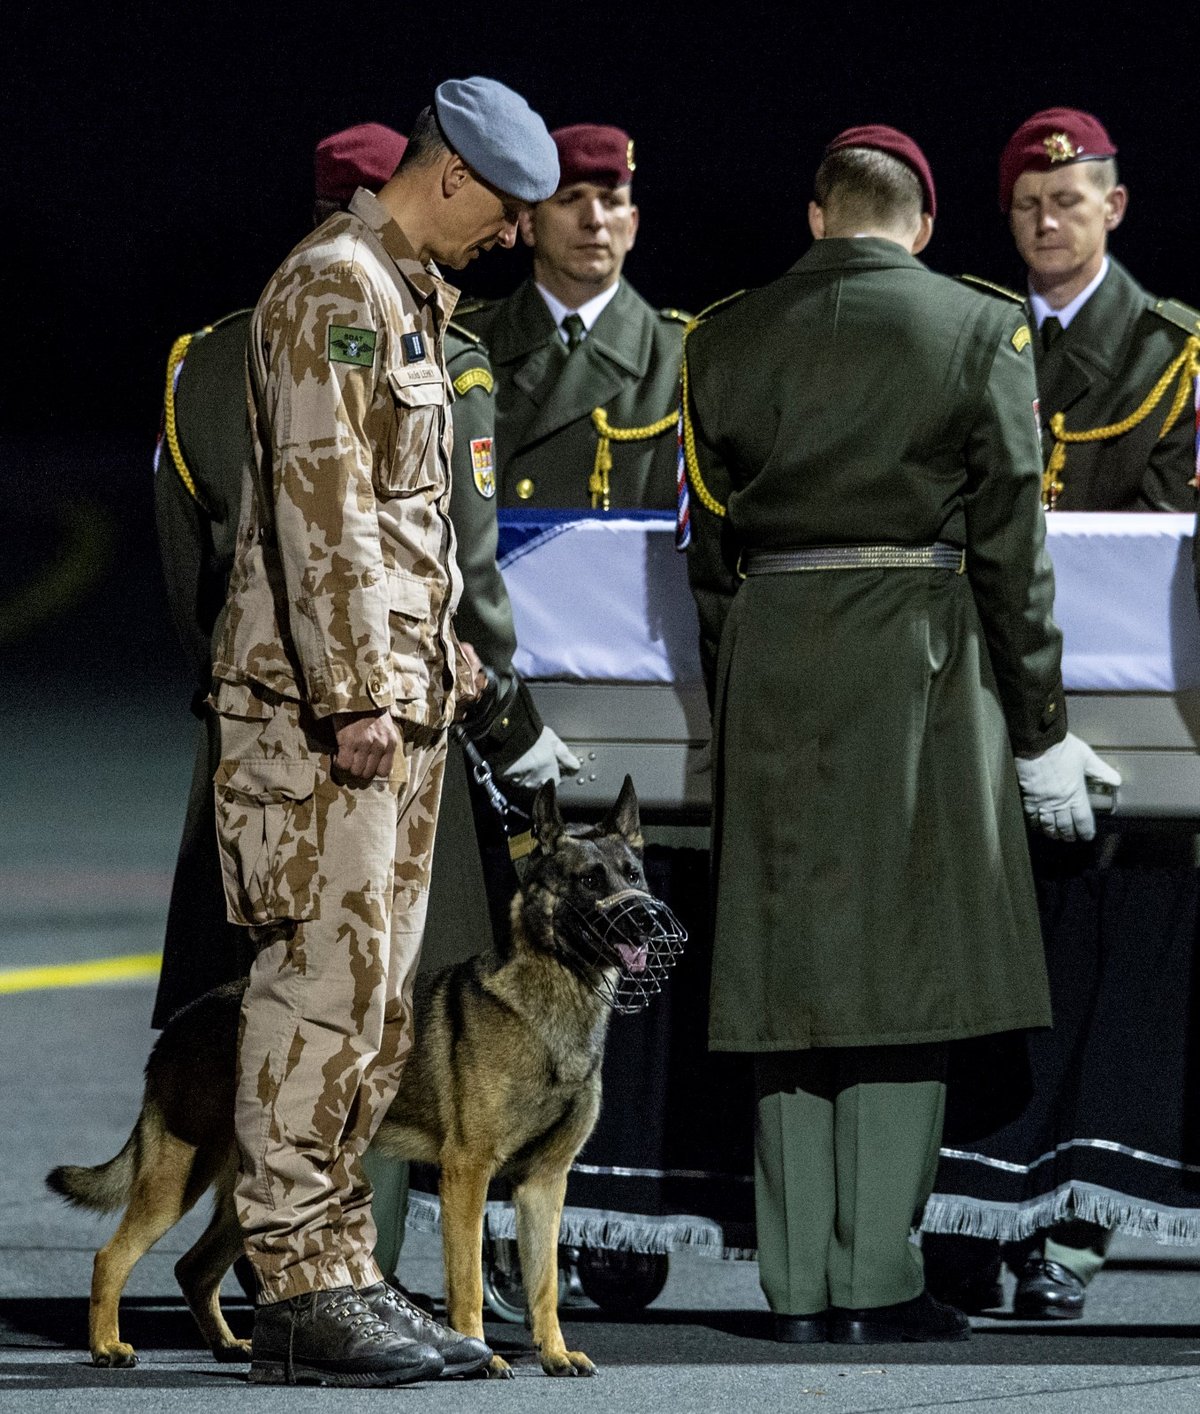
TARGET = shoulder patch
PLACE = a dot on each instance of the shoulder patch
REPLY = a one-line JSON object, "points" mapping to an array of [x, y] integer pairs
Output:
{"points": [[1183, 316], [1022, 338], [351, 345], [463, 332], [990, 287], [678, 315], [483, 467], [474, 378]]}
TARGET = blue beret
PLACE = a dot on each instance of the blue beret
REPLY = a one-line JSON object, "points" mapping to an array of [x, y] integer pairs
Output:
{"points": [[496, 132]]}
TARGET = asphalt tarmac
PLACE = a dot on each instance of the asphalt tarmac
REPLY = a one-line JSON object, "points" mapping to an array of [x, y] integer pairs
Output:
{"points": [[95, 754]]}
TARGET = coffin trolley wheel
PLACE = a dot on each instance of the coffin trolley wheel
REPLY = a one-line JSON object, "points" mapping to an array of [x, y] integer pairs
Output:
{"points": [[622, 1283], [502, 1289]]}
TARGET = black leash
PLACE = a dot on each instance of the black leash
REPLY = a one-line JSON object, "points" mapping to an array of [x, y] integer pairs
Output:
{"points": [[521, 840]]}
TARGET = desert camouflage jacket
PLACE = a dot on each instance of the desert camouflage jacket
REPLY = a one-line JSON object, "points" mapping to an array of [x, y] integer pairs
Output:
{"points": [[344, 576]]}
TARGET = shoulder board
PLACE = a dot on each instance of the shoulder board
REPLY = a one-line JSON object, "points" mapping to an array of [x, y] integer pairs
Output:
{"points": [[990, 287], [472, 306], [1174, 311], [680, 316], [463, 332], [715, 306]]}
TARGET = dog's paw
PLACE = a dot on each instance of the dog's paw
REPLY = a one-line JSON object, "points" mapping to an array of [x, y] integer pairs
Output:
{"points": [[498, 1369], [570, 1362], [116, 1355], [233, 1352]]}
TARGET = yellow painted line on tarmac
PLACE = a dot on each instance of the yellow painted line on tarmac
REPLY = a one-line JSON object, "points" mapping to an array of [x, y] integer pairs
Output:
{"points": [[134, 967]]}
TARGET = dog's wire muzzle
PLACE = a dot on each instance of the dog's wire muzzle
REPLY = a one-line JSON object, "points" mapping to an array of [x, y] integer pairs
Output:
{"points": [[624, 946]]}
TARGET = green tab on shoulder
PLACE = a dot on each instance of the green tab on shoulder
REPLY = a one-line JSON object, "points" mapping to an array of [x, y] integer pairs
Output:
{"points": [[351, 345], [463, 332], [991, 288], [716, 305], [1183, 316]]}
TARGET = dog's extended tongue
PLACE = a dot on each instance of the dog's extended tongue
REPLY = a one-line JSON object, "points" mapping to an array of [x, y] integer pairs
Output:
{"points": [[633, 957]]}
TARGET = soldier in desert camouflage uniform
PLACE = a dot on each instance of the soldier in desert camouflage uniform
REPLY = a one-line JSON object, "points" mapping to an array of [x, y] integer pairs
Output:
{"points": [[336, 673]]}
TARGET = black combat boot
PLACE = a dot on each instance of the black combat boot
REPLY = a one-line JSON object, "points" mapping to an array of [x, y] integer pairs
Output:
{"points": [[461, 1354], [334, 1338]]}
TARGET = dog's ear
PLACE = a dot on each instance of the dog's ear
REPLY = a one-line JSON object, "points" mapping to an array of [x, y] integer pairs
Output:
{"points": [[548, 824], [623, 818]]}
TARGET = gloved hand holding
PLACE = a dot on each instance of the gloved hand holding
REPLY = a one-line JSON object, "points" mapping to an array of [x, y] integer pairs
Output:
{"points": [[546, 760], [1054, 790]]}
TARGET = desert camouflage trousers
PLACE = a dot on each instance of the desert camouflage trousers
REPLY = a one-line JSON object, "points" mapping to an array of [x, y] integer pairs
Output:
{"points": [[333, 879]]}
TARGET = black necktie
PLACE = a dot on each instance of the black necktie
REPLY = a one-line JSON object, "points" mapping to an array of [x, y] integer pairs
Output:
{"points": [[1051, 329], [573, 327]]}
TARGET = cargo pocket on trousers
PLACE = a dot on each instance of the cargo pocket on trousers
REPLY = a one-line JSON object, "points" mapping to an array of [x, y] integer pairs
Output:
{"points": [[267, 836]]}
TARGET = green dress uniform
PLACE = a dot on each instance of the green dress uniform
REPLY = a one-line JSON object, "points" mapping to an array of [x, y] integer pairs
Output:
{"points": [[551, 452], [1100, 373], [874, 895], [197, 492]]}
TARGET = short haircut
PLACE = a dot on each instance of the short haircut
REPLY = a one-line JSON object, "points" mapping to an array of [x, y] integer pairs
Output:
{"points": [[1103, 172], [866, 186], [426, 142]]}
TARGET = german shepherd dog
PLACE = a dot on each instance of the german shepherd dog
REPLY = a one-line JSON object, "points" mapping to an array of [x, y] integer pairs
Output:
{"points": [[503, 1081]]}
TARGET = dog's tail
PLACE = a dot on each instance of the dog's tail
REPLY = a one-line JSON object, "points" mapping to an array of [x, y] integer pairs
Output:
{"points": [[103, 1188]]}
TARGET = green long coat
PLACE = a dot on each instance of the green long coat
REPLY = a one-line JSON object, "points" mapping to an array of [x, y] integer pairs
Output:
{"points": [[1096, 373], [628, 365], [873, 874]]}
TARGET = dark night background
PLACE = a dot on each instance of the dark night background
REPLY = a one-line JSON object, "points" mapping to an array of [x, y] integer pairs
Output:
{"points": [[161, 157], [159, 165]]}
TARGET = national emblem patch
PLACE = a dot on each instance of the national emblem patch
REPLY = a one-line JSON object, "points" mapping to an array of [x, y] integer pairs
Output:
{"points": [[483, 468], [351, 345]]}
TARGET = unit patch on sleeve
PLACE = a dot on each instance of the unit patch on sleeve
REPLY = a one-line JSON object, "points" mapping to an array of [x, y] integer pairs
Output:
{"points": [[351, 345], [1022, 338], [483, 467]]}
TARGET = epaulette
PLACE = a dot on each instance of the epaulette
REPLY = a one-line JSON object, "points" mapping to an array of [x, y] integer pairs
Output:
{"points": [[715, 306], [1183, 316], [678, 315], [473, 306], [990, 287], [463, 332]]}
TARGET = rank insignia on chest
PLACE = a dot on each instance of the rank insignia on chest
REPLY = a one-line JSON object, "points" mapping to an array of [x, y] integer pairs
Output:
{"points": [[483, 468], [414, 347], [351, 345]]}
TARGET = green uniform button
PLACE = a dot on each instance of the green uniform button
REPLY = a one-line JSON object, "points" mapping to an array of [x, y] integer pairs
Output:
{"points": [[525, 488]]}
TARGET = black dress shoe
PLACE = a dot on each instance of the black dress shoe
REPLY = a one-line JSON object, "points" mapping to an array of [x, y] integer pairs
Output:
{"points": [[921, 1319], [461, 1354], [800, 1330], [1047, 1291], [334, 1338]]}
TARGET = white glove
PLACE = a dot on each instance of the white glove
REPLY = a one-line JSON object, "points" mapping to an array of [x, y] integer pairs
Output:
{"points": [[1054, 789], [546, 760]]}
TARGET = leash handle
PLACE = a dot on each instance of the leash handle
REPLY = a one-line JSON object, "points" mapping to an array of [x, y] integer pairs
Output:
{"points": [[521, 842]]}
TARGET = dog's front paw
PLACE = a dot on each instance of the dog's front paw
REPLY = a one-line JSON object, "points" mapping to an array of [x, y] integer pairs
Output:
{"points": [[498, 1369], [232, 1352], [115, 1355], [569, 1362]]}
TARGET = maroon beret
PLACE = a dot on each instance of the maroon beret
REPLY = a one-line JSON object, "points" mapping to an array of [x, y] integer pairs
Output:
{"points": [[1052, 138], [362, 156], [591, 152], [896, 144]]}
